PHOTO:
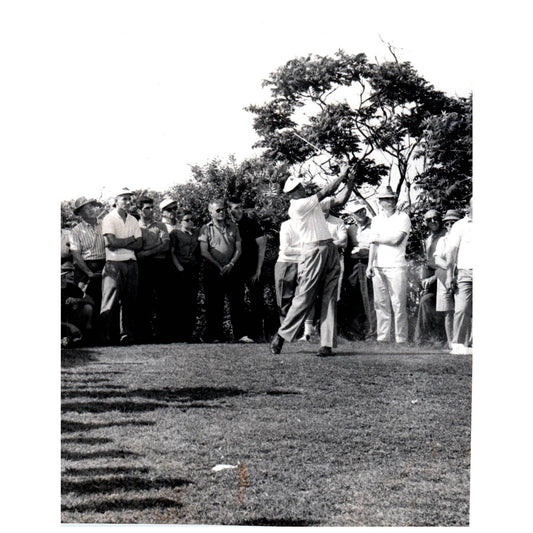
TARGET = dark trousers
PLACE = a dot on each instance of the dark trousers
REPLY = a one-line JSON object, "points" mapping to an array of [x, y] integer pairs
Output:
{"points": [[119, 292], [185, 308], [216, 288], [155, 311], [254, 314], [429, 323], [94, 288]]}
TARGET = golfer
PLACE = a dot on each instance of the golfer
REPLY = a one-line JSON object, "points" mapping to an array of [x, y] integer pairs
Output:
{"points": [[318, 269]]}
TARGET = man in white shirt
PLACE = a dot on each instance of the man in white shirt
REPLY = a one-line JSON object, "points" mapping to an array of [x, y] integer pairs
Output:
{"points": [[318, 269], [460, 261], [123, 237], [387, 267]]}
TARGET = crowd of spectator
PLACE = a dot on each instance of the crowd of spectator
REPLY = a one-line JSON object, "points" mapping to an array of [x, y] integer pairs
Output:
{"points": [[130, 274]]}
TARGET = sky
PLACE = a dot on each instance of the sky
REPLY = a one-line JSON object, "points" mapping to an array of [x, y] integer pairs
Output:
{"points": [[134, 93], [130, 93]]}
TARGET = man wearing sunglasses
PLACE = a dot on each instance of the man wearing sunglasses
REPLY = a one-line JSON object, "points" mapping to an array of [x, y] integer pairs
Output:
{"points": [[169, 209], [220, 246], [429, 323], [185, 255]]}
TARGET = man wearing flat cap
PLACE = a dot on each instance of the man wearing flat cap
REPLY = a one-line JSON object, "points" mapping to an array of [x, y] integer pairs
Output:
{"points": [[388, 268], [88, 252], [318, 267], [123, 237]]}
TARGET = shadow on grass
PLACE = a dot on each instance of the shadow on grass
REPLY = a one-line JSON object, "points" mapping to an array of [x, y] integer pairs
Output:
{"points": [[74, 357], [106, 470], [86, 440], [278, 522], [70, 426], [123, 505], [103, 454], [113, 484]]}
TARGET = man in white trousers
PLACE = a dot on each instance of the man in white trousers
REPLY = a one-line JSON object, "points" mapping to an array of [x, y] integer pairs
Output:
{"points": [[388, 268]]}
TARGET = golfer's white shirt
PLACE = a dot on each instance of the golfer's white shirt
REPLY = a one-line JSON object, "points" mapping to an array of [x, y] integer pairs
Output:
{"points": [[386, 254], [309, 221]]}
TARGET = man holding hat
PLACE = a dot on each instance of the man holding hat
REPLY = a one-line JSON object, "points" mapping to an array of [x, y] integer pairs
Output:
{"points": [[88, 251], [358, 286], [123, 237], [318, 269], [169, 208], [388, 268]]}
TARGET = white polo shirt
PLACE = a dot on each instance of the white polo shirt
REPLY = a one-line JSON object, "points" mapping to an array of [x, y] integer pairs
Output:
{"points": [[384, 226], [289, 243], [309, 220], [113, 224], [460, 236]]}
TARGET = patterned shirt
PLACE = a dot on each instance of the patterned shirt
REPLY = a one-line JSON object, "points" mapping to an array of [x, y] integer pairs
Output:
{"points": [[88, 240]]}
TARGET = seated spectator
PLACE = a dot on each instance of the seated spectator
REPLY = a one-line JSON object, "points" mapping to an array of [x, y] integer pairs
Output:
{"points": [[429, 324]]}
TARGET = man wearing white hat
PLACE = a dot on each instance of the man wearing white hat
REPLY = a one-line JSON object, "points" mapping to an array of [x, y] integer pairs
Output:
{"points": [[318, 269], [388, 268], [169, 208], [123, 237]]}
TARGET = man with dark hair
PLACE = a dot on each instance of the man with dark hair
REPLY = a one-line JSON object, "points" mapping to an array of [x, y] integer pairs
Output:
{"points": [[123, 237], [220, 246], [185, 255], [248, 269], [154, 276], [319, 267], [88, 251]]}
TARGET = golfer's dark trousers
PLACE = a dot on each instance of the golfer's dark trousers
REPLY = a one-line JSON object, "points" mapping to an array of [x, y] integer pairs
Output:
{"points": [[119, 291], [216, 288]]}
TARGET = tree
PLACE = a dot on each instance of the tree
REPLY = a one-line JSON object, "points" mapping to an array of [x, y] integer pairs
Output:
{"points": [[323, 109], [446, 148]]}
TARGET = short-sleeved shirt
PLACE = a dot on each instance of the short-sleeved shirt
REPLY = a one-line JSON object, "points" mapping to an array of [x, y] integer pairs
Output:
{"points": [[310, 222], [221, 242], [460, 236], [154, 234], [386, 254], [431, 244], [250, 230], [289, 243], [88, 240], [113, 224], [185, 247], [361, 237], [337, 229]]}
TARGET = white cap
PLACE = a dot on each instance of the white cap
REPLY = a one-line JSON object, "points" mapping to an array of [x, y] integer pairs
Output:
{"points": [[167, 202], [291, 183]]}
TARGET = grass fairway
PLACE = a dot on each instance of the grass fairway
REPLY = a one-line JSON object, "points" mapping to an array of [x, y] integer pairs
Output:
{"points": [[364, 438]]}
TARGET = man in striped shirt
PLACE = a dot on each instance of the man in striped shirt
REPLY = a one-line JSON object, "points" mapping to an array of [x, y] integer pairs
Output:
{"points": [[88, 252]]}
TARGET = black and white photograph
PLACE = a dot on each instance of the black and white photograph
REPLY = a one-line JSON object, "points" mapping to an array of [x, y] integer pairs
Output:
{"points": [[264, 314]]}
